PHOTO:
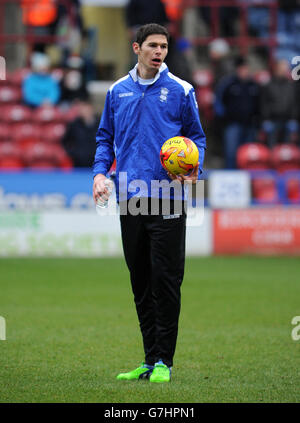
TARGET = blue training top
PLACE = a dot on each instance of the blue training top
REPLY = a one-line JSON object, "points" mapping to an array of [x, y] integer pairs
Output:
{"points": [[137, 120]]}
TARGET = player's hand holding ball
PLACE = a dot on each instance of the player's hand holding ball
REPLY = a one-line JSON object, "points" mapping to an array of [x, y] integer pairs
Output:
{"points": [[179, 156]]}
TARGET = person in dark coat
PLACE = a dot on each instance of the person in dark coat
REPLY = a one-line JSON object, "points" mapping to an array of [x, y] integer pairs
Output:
{"points": [[237, 104], [279, 106], [79, 139]]}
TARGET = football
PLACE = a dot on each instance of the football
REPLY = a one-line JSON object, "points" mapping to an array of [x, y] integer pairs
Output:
{"points": [[179, 155]]}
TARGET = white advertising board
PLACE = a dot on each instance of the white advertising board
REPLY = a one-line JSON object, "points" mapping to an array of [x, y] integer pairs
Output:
{"points": [[69, 233], [229, 189]]}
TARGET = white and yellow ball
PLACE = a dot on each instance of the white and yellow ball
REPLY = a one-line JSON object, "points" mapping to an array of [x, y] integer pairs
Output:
{"points": [[179, 155]]}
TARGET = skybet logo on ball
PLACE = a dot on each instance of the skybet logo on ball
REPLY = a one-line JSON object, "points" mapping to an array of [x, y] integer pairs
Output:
{"points": [[179, 155]]}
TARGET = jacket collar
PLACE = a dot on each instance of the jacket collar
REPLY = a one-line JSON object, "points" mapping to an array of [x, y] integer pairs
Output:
{"points": [[134, 75]]}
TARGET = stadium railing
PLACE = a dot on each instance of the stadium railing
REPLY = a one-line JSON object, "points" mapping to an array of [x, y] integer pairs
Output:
{"points": [[243, 40]]}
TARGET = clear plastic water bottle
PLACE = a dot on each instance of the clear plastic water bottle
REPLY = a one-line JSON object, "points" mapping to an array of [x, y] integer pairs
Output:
{"points": [[101, 202]]}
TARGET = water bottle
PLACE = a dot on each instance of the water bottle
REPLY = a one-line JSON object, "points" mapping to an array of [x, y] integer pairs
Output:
{"points": [[101, 202]]}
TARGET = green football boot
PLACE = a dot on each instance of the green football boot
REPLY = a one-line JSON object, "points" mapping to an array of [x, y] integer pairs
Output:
{"points": [[161, 373], [142, 372]]}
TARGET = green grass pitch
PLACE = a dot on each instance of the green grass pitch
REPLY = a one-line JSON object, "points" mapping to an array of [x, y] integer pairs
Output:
{"points": [[71, 327]]}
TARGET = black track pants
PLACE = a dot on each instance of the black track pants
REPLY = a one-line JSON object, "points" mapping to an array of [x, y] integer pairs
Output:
{"points": [[154, 249]]}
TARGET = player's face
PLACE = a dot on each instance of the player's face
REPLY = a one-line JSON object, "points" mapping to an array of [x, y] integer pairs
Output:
{"points": [[152, 52]]}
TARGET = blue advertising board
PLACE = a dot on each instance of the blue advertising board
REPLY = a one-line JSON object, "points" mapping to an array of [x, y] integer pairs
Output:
{"points": [[36, 190]]}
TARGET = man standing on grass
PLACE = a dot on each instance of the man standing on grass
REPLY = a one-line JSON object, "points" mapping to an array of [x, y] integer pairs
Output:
{"points": [[143, 110]]}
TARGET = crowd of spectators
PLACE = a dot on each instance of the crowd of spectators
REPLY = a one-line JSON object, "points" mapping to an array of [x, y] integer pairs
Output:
{"points": [[253, 112], [47, 119], [238, 103]]}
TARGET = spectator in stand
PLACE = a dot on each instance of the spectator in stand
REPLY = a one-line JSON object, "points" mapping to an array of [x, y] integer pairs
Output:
{"points": [[40, 18], [79, 138], [221, 60], [73, 85], [69, 29], [222, 64], [39, 87], [279, 106], [237, 102]]}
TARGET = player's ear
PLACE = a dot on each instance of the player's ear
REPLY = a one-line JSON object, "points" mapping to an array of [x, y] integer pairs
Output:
{"points": [[136, 47]]}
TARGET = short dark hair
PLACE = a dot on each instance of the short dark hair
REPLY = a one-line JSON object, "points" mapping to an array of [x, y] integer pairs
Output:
{"points": [[150, 29]]}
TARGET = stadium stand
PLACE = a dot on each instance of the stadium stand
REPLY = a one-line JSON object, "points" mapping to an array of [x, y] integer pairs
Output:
{"points": [[252, 156], [5, 132], [286, 157], [10, 156], [16, 113], [10, 94], [257, 157], [46, 156], [48, 114], [24, 132], [25, 127]]}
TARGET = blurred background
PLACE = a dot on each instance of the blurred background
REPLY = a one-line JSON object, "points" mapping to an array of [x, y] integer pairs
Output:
{"points": [[59, 57]]}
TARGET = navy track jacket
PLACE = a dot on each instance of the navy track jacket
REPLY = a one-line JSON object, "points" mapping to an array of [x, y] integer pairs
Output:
{"points": [[137, 120]]}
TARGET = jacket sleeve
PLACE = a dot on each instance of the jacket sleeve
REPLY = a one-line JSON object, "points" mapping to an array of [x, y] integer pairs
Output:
{"points": [[105, 155], [192, 127]]}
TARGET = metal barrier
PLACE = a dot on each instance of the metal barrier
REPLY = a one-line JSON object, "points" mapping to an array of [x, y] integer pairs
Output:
{"points": [[28, 36], [243, 41]]}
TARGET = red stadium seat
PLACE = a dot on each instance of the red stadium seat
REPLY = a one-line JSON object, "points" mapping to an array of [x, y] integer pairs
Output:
{"points": [[10, 94], [5, 132], [11, 163], [286, 157], [43, 164], [254, 156], [23, 132], [205, 98], [17, 113], [203, 77], [45, 114], [10, 156], [16, 78], [70, 114], [53, 132], [66, 162], [9, 149], [42, 155], [265, 190], [3, 108], [293, 190]]}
